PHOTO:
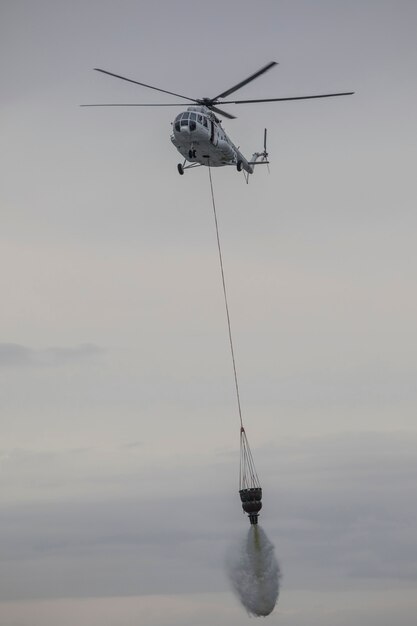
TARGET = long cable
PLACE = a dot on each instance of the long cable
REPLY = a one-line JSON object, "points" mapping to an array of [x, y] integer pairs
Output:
{"points": [[225, 299]]}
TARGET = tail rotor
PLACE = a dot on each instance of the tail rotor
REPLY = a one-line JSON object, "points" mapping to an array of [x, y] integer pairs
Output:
{"points": [[262, 156], [265, 153]]}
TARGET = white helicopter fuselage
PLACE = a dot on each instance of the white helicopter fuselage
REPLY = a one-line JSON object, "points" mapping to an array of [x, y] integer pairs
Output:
{"points": [[199, 137]]}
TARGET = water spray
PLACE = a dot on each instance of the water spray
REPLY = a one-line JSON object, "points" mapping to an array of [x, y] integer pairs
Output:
{"points": [[254, 572]]}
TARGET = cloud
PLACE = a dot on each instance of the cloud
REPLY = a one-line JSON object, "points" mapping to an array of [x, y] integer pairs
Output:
{"points": [[132, 445], [16, 355], [12, 354], [127, 547], [345, 504], [337, 508]]}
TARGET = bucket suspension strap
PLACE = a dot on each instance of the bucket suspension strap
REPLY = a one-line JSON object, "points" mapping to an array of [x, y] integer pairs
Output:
{"points": [[248, 478]]}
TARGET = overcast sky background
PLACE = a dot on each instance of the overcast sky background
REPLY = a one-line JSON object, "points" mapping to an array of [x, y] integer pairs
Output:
{"points": [[119, 430]]}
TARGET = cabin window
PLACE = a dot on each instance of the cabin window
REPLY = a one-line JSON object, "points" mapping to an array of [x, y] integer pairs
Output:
{"points": [[192, 125], [205, 121], [193, 116], [177, 122], [200, 118], [184, 122]]}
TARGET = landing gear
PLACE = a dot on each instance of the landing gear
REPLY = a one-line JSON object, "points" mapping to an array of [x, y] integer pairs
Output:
{"points": [[239, 166], [181, 167]]}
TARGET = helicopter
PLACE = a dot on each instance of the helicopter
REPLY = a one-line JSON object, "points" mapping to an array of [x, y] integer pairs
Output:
{"points": [[198, 134]]}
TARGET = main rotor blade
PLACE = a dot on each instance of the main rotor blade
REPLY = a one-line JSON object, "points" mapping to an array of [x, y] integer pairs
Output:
{"points": [[246, 81], [223, 113], [170, 104], [129, 80], [323, 95]]}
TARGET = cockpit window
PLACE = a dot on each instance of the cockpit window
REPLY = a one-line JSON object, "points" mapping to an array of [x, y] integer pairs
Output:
{"points": [[189, 119]]}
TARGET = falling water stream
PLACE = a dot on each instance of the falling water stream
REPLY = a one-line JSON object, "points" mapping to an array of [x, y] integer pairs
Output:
{"points": [[254, 572]]}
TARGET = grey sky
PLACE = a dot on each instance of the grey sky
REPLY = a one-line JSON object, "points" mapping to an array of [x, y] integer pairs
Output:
{"points": [[118, 423]]}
